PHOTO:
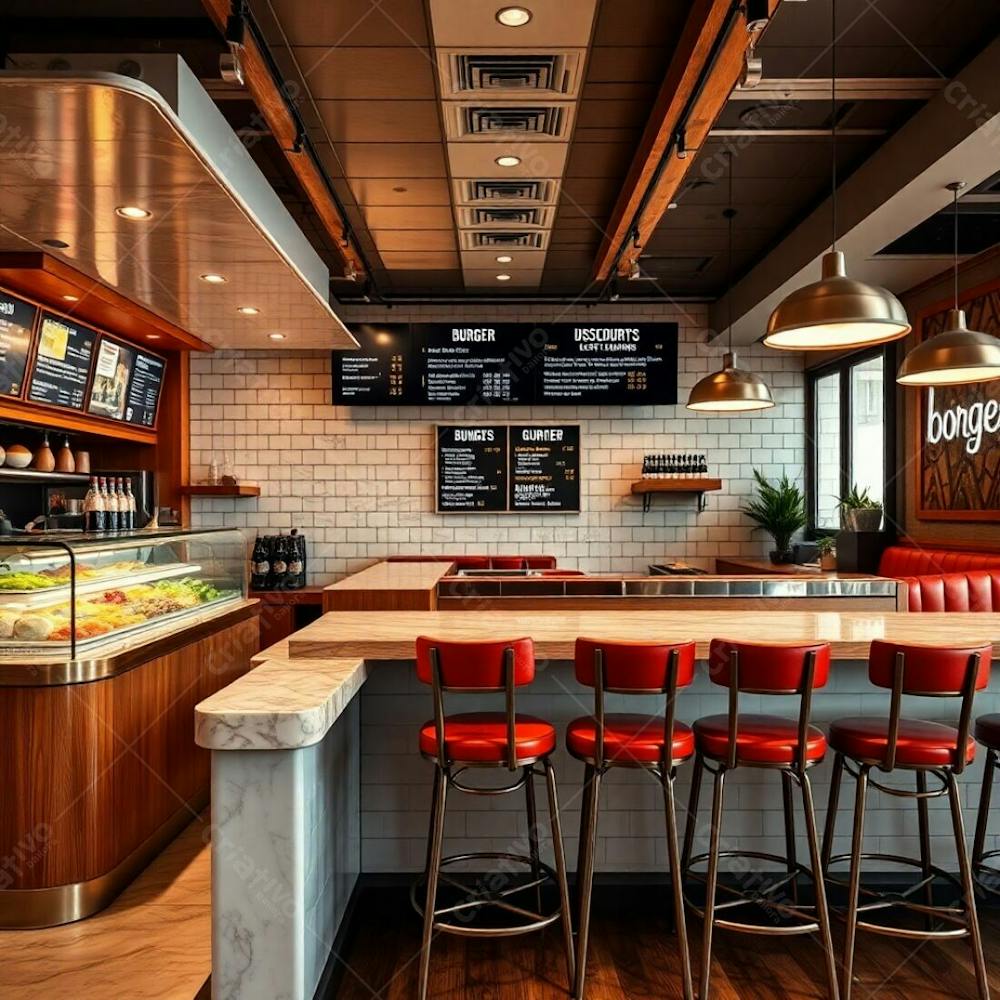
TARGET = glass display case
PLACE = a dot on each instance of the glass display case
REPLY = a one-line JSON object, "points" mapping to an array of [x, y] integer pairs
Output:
{"points": [[72, 592]]}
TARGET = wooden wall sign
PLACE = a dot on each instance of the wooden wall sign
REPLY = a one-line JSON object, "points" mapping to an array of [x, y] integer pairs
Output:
{"points": [[958, 434]]}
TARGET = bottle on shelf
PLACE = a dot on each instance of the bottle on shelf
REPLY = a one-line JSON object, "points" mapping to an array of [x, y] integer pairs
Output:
{"points": [[702, 466], [296, 560], [122, 503], [111, 505], [130, 504], [279, 563], [260, 564], [645, 466], [93, 515]]}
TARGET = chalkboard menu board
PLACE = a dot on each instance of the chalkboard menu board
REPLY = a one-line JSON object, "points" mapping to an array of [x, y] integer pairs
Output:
{"points": [[472, 469], [544, 468], [62, 363], [459, 364], [494, 468], [17, 321], [144, 389]]}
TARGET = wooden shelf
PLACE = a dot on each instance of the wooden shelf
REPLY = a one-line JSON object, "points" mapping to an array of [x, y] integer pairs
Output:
{"points": [[699, 486], [12, 475], [220, 490]]}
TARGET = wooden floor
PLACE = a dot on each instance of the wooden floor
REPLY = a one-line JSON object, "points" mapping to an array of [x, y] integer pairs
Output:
{"points": [[633, 958], [153, 943]]}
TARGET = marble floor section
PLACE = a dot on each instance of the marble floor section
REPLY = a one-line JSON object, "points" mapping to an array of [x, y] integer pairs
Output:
{"points": [[153, 943]]}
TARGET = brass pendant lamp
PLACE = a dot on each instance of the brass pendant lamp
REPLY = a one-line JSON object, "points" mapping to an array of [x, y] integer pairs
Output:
{"points": [[958, 356], [731, 389], [836, 312]]}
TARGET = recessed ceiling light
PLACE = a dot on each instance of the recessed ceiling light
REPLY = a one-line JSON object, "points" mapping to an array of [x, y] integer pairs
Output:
{"points": [[671, 206], [56, 244], [503, 277], [507, 161], [504, 258], [71, 298], [213, 279], [276, 336], [248, 310], [152, 336], [513, 17], [133, 212]]}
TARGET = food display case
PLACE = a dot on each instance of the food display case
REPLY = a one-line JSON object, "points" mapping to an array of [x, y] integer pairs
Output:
{"points": [[107, 642], [71, 593]]}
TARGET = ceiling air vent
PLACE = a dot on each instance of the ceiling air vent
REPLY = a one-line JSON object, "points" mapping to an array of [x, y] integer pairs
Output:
{"points": [[499, 192], [506, 74], [539, 121], [507, 217], [503, 239]]}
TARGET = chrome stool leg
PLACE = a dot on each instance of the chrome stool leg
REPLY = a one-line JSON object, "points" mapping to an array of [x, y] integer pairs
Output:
{"points": [[560, 859], [832, 804], [676, 880], [968, 888], [924, 827], [433, 871], [788, 808], [816, 867], [532, 816], [585, 875], [854, 890], [692, 815], [982, 817], [711, 880]]}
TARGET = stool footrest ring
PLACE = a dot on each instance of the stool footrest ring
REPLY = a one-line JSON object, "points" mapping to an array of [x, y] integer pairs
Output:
{"points": [[483, 894]]}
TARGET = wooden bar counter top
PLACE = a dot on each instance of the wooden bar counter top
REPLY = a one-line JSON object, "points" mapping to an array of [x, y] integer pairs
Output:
{"points": [[382, 636]]}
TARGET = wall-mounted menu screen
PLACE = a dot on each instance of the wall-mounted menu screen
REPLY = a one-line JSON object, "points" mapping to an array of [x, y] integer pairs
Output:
{"points": [[144, 389], [493, 468], [472, 469], [17, 321], [62, 363], [544, 471], [109, 389], [472, 364]]}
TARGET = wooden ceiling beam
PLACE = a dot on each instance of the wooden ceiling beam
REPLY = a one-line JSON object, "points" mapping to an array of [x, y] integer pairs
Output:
{"points": [[684, 100], [263, 90]]}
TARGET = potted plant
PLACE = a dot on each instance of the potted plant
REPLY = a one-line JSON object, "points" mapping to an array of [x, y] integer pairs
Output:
{"points": [[780, 509], [859, 512], [827, 549]]}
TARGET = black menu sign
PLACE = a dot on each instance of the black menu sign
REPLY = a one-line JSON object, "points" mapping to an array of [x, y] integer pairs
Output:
{"points": [[609, 363], [144, 389], [17, 320], [62, 363], [382, 372], [544, 468], [464, 364], [471, 469]]}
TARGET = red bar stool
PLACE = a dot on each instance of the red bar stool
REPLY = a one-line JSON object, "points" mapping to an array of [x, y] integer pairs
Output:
{"points": [[986, 875], [605, 741], [457, 743], [926, 748], [727, 742]]}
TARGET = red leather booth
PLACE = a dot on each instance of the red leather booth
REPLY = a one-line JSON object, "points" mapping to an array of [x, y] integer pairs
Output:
{"points": [[481, 561], [945, 579]]}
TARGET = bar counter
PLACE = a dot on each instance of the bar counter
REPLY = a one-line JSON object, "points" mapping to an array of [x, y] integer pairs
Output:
{"points": [[316, 778]]}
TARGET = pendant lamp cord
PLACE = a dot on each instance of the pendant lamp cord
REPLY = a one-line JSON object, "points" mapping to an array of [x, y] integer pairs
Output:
{"points": [[955, 247], [730, 215], [833, 118]]}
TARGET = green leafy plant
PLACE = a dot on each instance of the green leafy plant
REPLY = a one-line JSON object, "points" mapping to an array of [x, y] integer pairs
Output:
{"points": [[826, 545], [857, 499], [778, 508]]}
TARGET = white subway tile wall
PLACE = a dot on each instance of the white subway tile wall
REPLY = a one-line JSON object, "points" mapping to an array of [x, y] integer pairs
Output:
{"points": [[360, 481]]}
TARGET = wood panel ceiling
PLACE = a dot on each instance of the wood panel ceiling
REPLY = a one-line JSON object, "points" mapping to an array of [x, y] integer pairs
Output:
{"points": [[373, 81]]}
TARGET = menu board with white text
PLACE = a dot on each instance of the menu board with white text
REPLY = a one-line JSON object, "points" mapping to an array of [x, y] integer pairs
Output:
{"points": [[62, 362], [17, 321], [144, 389]]}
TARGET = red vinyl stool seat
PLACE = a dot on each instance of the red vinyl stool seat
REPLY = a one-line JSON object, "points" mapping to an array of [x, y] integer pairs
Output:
{"points": [[988, 731], [760, 739], [520, 744], [788, 746], [481, 738], [930, 750], [608, 741], [628, 737], [919, 743]]}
